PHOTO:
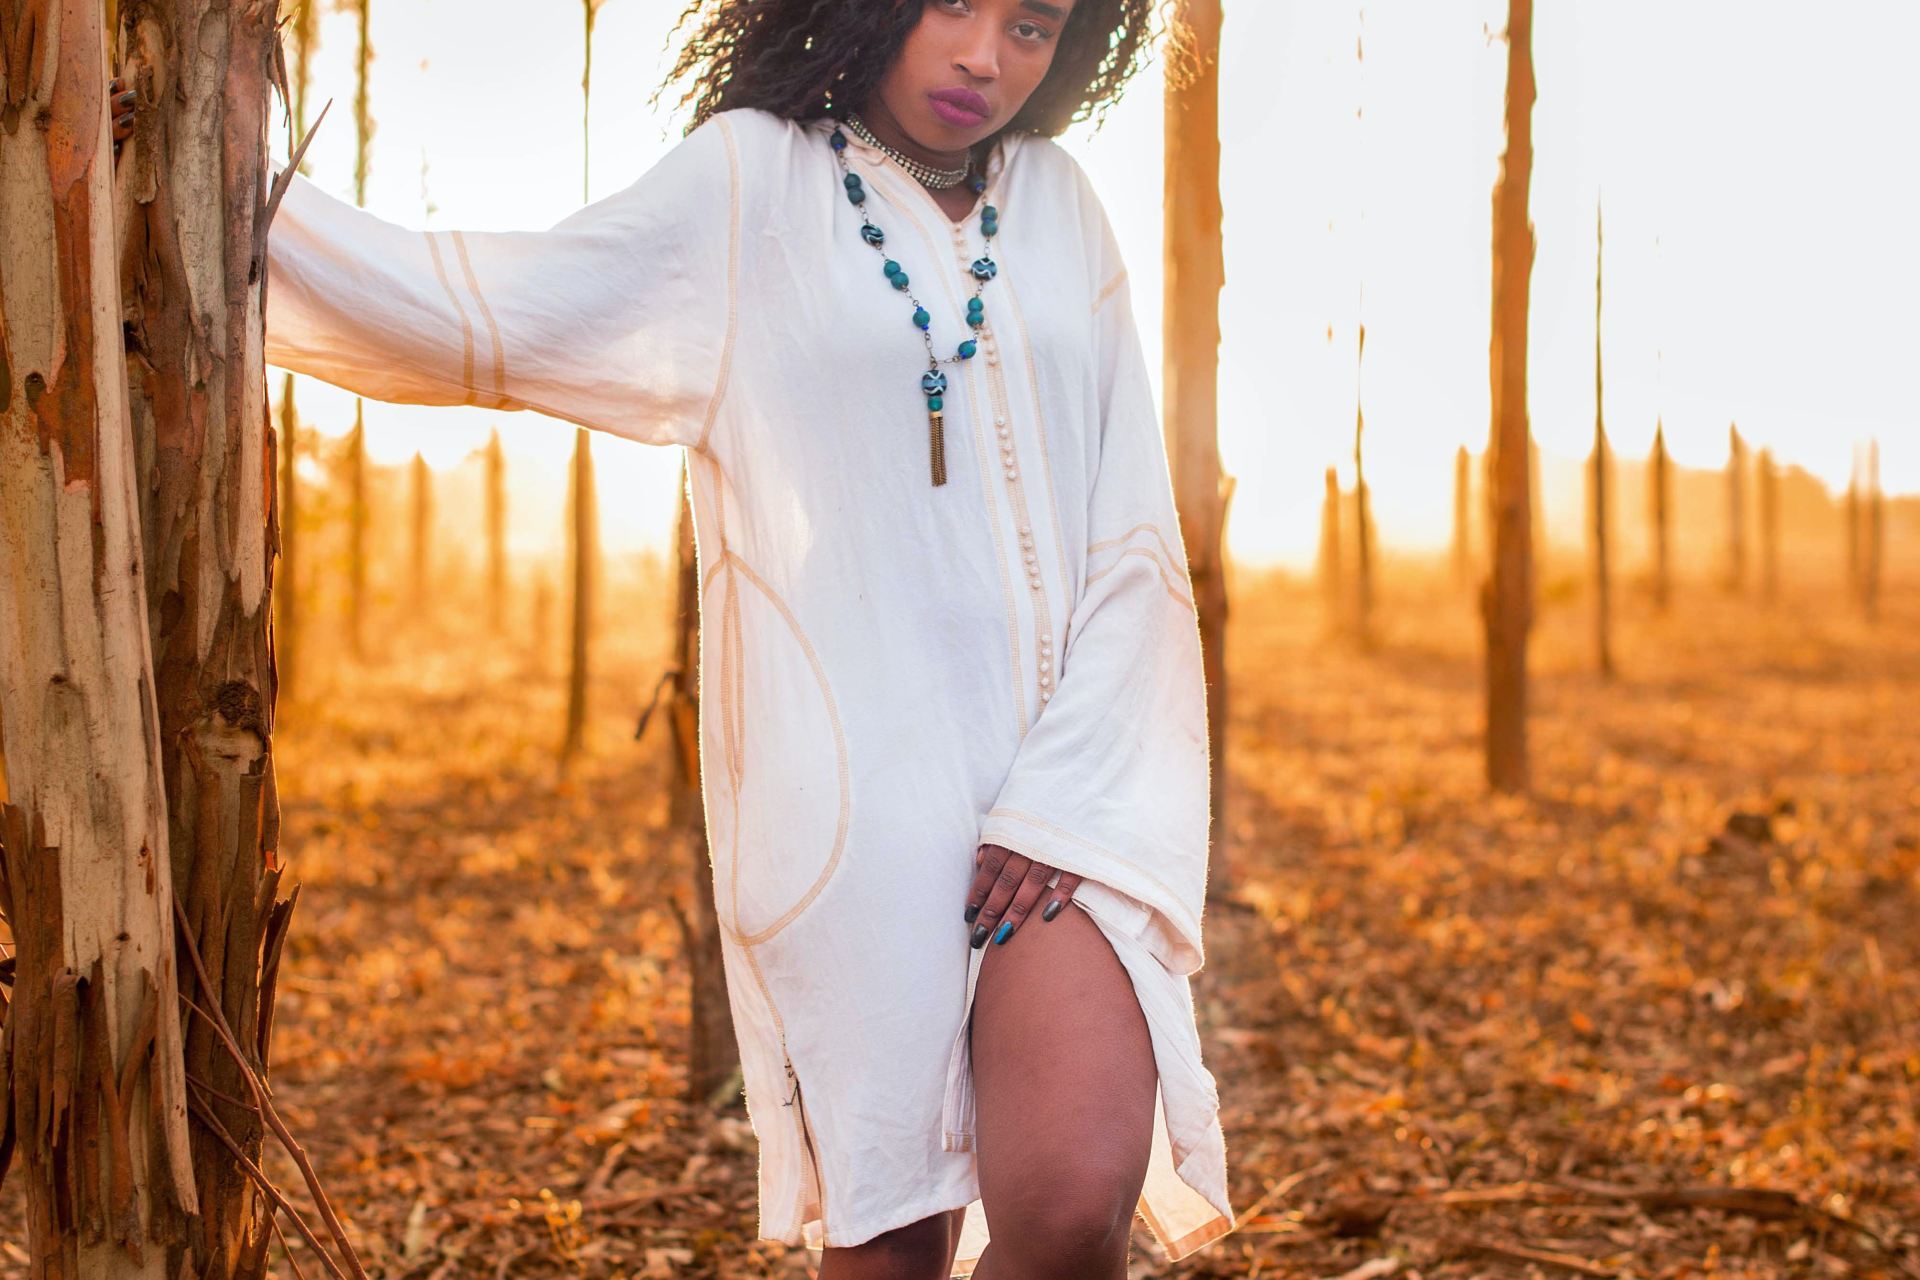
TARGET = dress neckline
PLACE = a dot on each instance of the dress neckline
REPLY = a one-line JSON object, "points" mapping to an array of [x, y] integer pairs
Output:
{"points": [[1003, 150]]}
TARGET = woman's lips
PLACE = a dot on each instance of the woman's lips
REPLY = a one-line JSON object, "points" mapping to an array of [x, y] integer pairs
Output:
{"points": [[958, 106]]}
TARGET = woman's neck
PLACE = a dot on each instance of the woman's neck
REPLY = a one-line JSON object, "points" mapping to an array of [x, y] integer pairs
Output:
{"points": [[884, 127]]}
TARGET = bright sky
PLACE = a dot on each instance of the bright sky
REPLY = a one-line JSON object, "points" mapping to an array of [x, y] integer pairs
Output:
{"points": [[1761, 261]]}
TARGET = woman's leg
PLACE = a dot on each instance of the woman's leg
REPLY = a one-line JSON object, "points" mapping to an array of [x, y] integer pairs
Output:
{"points": [[1065, 1081], [920, 1250]]}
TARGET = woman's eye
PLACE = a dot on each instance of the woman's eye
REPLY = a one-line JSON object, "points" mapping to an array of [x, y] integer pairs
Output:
{"points": [[1028, 31]]}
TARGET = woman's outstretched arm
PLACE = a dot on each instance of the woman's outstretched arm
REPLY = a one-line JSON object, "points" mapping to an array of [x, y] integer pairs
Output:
{"points": [[618, 318]]}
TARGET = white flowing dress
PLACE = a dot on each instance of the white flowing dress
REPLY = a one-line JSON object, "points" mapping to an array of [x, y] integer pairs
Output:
{"points": [[891, 672]]}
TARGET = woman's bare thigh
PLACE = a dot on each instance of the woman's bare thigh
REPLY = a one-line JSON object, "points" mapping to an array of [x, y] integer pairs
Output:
{"points": [[1065, 1081]]}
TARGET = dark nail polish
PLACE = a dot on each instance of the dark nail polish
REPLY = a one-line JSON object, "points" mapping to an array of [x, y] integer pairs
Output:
{"points": [[1053, 908], [1006, 931], [126, 99], [974, 911], [979, 935]]}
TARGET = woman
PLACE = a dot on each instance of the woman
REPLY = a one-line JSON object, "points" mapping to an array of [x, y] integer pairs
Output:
{"points": [[950, 666]]}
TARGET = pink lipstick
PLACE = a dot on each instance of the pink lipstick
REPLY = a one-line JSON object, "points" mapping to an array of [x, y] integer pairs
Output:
{"points": [[962, 108]]}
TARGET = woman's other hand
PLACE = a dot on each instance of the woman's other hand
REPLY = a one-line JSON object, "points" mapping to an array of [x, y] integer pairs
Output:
{"points": [[1006, 885], [120, 101]]}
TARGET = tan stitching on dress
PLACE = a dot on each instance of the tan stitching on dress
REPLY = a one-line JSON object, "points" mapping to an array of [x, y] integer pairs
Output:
{"points": [[733, 282], [466, 325], [1172, 559], [486, 313], [1152, 559], [1108, 289]]}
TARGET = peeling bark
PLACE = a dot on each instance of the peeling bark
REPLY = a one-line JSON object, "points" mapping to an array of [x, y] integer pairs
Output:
{"points": [[195, 236], [95, 1093]]}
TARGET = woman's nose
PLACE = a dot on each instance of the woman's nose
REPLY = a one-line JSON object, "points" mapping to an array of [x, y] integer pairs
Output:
{"points": [[979, 62]]}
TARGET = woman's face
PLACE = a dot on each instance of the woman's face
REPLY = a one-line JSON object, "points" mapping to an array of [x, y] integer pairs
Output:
{"points": [[969, 66]]}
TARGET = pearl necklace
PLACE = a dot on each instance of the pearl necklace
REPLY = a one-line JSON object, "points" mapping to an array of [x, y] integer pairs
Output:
{"points": [[933, 383], [925, 174]]}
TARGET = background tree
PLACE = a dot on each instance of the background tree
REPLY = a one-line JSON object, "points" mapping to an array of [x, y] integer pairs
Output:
{"points": [[1660, 511], [286, 596], [1736, 570], [1507, 596], [1602, 577], [1195, 268], [358, 513]]}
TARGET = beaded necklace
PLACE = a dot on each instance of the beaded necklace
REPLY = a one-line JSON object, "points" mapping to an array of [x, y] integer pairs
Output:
{"points": [[933, 383]]}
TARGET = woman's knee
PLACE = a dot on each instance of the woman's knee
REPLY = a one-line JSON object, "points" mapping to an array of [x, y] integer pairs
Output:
{"points": [[1079, 1227]]}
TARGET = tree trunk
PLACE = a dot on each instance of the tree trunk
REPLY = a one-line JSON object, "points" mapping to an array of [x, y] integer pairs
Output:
{"points": [[1856, 563], [1332, 583], [1462, 518], [582, 541], [421, 560], [1195, 271], [1661, 499], [1736, 511], [358, 514], [1362, 514], [1876, 535], [1769, 480], [96, 1101], [1602, 576], [196, 332], [1507, 596], [713, 1055], [286, 599], [497, 535]]}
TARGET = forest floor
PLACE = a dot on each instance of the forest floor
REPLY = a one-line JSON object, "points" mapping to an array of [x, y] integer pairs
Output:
{"points": [[1659, 1018]]}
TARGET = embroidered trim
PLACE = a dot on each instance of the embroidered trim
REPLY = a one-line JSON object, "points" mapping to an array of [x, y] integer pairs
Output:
{"points": [[733, 282], [466, 325], [1108, 289], [486, 313], [1159, 568]]}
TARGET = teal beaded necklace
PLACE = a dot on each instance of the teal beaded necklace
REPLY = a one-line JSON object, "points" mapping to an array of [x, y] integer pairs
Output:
{"points": [[933, 383]]}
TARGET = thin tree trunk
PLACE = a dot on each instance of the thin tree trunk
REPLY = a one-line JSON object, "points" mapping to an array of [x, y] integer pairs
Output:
{"points": [[497, 535], [1362, 513], [1332, 582], [1542, 549], [286, 598], [1602, 576], [421, 559], [1856, 563], [1462, 516], [1769, 481], [358, 514], [1736, 511], [96, 1095], [713, 1052], [1876, 539], [1661, 504], [582, 541], [201, 415], [1507, 597], [1194, 273], [357, 520]]}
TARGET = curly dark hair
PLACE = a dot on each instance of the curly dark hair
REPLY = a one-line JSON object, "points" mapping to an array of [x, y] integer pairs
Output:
{"points": [[802, 59]]}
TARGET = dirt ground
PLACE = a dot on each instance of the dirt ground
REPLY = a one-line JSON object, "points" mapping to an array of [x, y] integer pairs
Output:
{"points": [[1659, 1018]]}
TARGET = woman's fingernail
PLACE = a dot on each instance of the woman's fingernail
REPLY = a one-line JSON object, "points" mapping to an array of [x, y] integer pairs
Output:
{"points": [[1053, 908], [1006, 931], [126, 99], [979, 935], [973, 911]]}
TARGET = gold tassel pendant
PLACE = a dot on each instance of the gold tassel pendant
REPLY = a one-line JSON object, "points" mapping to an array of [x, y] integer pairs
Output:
{"points": [[936, 442]]}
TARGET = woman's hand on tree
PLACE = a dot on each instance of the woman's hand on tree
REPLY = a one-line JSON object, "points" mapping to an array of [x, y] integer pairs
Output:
{"points": [[120, 104], [1006, 886]]}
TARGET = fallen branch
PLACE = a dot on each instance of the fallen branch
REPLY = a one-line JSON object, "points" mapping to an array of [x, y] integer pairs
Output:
{"points": [[1545, 1257], [218, 1020]]}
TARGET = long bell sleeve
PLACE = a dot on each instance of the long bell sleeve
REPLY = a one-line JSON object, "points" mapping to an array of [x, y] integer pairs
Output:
{"points": [[1112, 780], [619, 317]]}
